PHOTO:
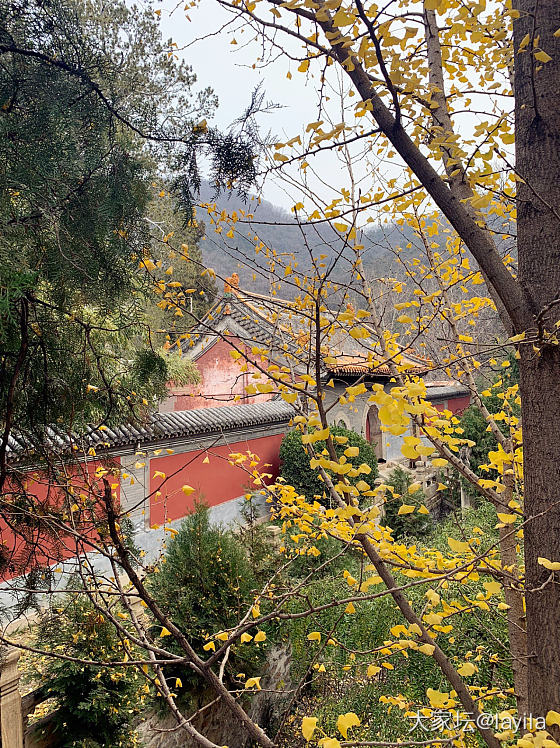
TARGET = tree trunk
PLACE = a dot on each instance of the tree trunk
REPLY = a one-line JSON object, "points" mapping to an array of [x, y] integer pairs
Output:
{"points": [[537, 116]]}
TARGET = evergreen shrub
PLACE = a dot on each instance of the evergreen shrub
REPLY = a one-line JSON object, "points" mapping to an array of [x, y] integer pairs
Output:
{"points": [[94, 704], [297, 472], [415, 524], [205, 584]]}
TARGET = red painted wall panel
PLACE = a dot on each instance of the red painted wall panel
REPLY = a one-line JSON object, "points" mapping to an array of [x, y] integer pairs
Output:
{"points": [[221, 380], [455, 404], [31, 546], [214, 482], [458, 404]]}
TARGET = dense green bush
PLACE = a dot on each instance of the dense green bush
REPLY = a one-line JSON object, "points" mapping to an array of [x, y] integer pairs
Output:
{"points": [[205, 584], [295, 461], [343, 686], [255, 538], [474, 427], [414, 525], [94, 705], [310, 556]]}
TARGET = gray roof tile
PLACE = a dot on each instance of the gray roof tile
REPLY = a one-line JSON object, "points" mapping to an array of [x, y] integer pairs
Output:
{"points": [[176, 424], [446, 391]]}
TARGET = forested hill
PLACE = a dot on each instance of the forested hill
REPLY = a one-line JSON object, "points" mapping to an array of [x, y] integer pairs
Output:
{"points": [[279, 230]]}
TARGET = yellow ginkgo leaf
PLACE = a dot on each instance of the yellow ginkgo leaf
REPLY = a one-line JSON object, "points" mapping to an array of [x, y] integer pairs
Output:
{"points": [[289, 397], [346, 721], [187, 490], [551, 565], [542, 56], [437, 698], [433, 619], [524, 42], [253, 683], [308, 727], [260, 636], [458, 545], [314, 636], [507, 519], [406, 509], [439, 462], [467, 669], [342, 18], [427, 649], [409, 451], [363, 486], [552, 718], [492, 588], [165, 632], [425, 450]]}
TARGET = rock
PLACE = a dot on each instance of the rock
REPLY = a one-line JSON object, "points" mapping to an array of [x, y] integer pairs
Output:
{"points": [[217, 723]]}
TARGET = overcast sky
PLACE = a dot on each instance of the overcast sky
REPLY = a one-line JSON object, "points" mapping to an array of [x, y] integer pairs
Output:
{"points": [[228, 69], [233, 71]]}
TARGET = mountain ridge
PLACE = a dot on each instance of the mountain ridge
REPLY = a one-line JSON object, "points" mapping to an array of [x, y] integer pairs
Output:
{"points": [[279, 230]]}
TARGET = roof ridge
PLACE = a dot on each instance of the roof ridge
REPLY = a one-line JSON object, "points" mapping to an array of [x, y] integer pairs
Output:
{"points": [[166, 425]]}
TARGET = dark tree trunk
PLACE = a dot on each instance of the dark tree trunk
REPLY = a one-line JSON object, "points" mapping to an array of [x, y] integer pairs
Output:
{"points": [[537, 116]]}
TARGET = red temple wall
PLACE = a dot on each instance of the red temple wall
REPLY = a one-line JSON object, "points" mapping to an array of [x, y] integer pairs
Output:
{"points": [[215, 481], [26, 546], [221, 381]]}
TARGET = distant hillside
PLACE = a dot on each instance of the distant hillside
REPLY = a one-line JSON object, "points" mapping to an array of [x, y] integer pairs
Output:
{"points": [[278, 230]]}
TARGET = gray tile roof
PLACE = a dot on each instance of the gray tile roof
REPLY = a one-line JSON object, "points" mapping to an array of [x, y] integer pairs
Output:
{"points": [[162, 426], [446, 391], [256, 327], [275, 324]]}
